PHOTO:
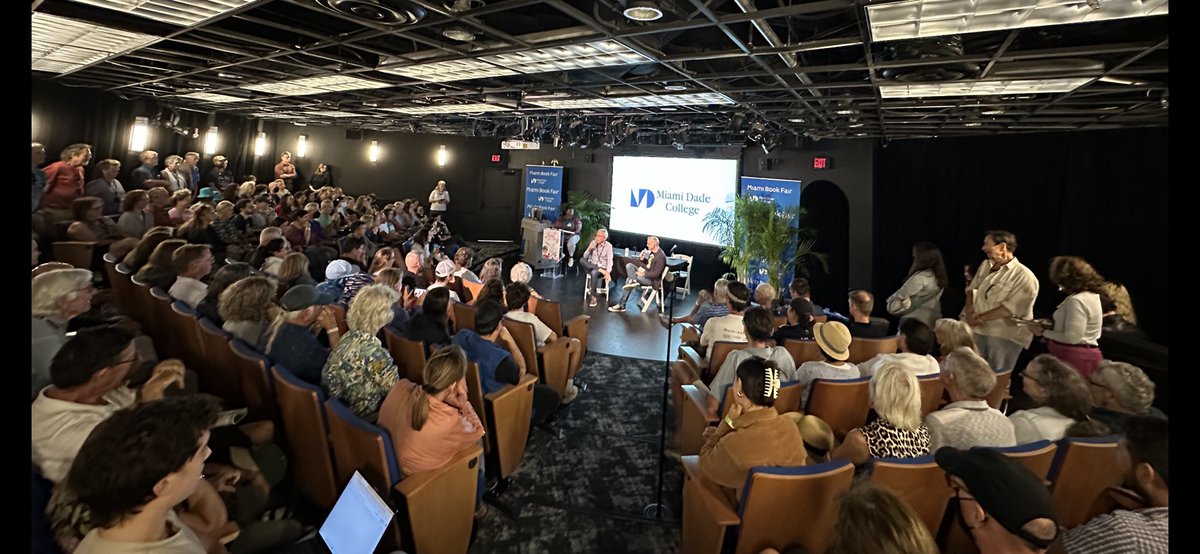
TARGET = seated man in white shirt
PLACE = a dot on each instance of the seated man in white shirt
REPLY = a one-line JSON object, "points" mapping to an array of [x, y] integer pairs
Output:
{"points": [[727, 327], [915, 341], [968, 421], [443, 274], [833, 338], [516, 298], [192, 263], [89, 376]]}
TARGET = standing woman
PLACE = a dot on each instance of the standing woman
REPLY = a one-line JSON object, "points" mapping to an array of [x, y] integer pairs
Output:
{"points": [[321, 178], [174, 176], [1079, 318], [439, 198], [921, 294], [106, 187]]}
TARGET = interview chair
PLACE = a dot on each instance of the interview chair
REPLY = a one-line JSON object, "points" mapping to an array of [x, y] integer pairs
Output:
{"points": [[505, 414], [301, 410], [435, 508], [792, 506]]}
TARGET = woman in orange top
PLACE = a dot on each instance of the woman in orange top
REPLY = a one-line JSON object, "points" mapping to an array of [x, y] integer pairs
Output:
{"points": [[431, 423]]}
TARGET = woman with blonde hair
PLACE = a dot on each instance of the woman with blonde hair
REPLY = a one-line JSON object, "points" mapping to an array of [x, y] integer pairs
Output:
{"points": [[360, 371], [181, 201], [1074, 337], [137, 257], [158, 271], [199, 230], [951, 334], [872, 520], [493, 268], [898, 432], [248, 306], [384, 258], [294, 271]]}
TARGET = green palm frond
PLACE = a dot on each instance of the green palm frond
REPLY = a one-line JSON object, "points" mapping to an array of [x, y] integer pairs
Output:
{"points": [[750, 229]]}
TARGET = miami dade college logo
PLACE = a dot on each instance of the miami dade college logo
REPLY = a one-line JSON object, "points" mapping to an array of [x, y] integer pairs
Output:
{"points": [[640, 197]]}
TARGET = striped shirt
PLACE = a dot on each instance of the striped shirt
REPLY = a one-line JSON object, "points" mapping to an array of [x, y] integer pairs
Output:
{"points": [[1121, 532]]}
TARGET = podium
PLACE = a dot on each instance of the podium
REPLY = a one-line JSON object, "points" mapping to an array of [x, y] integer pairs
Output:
{"points": [[531, 238]]}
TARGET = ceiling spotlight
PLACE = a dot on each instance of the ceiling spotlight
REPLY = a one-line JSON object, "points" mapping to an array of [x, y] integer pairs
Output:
{"points": [[643, 10], [770, 142], [459, 33], [675, 87], [459, 6], [755, 133]]}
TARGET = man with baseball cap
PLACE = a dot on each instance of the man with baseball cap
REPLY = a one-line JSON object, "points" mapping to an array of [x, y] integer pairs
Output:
{"points": [[291, 341], [219, 176], [1001, 504], [442, 272]]}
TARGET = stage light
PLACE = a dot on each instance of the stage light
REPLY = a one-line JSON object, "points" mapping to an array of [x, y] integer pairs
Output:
{"points": [[373, 152], [260, 145], [137, 137], [210, 141], [302, 146], [643, 10], [442, 156]]}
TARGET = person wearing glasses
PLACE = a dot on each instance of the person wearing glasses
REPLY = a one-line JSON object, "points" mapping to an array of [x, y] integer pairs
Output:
{"points": [[1062, 399], [1121, 391], [1002, 505], [1002, 289]]}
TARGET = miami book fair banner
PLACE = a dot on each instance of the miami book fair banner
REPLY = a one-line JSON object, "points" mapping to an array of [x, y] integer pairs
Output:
{"points": [[543, 190], [785, 194]]}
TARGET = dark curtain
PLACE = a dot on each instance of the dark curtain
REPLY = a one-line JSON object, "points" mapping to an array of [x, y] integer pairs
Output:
{"points": [[1100, 195]]}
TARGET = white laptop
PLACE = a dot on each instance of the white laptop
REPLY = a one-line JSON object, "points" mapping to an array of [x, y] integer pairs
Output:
{"points": [[357, 522]]}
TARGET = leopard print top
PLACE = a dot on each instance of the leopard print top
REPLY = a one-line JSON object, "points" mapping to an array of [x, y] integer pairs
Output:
{"points": [[885, 440]]}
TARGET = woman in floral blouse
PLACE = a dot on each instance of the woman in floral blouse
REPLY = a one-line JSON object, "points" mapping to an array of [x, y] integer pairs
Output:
{"points": [[360, 371]]}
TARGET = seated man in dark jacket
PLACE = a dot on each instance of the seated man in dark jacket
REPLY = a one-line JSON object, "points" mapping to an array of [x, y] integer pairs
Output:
{"points": [[643, 273]]}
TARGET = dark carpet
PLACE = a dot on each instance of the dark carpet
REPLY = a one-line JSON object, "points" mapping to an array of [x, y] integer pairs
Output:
{"points": [[584, 490]]}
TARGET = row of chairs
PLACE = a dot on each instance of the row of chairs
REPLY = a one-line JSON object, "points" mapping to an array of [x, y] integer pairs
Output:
{"points": [[795, 507]]}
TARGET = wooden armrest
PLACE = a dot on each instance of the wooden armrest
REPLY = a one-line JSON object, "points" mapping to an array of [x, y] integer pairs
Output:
{"points": [[693, 419], [438, 506], [722, 512], [526, 382], [417, 482], [554, 361], [509, 412], [690, 356], [578, 322], [700, 401]]}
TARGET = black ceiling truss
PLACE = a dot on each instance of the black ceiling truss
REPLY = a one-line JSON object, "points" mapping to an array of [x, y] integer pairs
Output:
{"points": [[789, 68]]}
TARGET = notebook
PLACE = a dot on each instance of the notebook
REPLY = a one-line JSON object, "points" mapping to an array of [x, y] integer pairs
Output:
{"points": [[357, 522]]}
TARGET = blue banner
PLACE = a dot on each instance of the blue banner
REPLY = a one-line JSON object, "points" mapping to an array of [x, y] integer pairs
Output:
{"points": [[543, 189], [784, 194]]}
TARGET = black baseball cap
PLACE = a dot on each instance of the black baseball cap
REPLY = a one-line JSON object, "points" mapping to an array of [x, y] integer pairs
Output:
{"points": [[1006, 490]]}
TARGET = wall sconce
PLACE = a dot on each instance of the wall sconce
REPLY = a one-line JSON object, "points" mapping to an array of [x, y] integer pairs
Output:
{"points": [[373, 152], [141, 130], [210, 141], [260, 145], [442, 156], [302, 146]]}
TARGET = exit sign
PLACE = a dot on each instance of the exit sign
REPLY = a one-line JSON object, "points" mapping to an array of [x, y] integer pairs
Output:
{"points": [[495, 158], [822, 163]]}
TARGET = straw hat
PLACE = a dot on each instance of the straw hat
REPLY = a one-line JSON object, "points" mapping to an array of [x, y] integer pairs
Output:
{"points": [[834, 339]]}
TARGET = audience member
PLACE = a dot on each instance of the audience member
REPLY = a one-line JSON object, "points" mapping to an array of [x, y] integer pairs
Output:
{"points": [[294, 271], [1121, 391], [464, 258], [861, 303], [516, 296], [158, 271], [897, 432], [1142, 456], [764, 295], [1061, 396], [915, 341], [522, 273], [291, 340], [360, 371], [442, 276], [106, 187], [800, 288], [708, 306], [799, 322], [148, 171], [1002, 289], [500, 363], [833, 339], [1002, 505], [432, 325], [160, 202], [757, 324], [751, 434], [1077, 321], [493, 289], [920, 295], [57, 297], [269, 257], [192, 263], [872, 520], [247, 306], [952, 334], [181, 203], [728, 327], [221, 280], [968, 420], [135, 219], [493, 268], [90, 225], [173, 174], [140, 254], [64, 182]]}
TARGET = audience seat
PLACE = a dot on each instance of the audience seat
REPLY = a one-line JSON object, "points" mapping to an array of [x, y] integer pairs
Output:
{"points": [[74, 252], [185, 326], [843, 404], [473, 287], [307, 434], [221, 379], [998, 398], [1082, 471], [408, 355], [42, 536], [139, 302], [820, 318], [780, 506], [464, 316], [505, 414], [931, 393], [803, 350], [790, 397], [550, 363], [695, 416], [166, 342], [919, 482], [862, 349], [550, 312], [1037, 456], [118, 282], [717, 352], [435, 508], [258, 394]]}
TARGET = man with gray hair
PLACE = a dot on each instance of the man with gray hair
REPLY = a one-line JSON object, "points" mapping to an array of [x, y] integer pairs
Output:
{"points": [[648, 270], [1001, 290], [57, 297], [968, 421], [597, 260], [1121, 391], [145, 172]]}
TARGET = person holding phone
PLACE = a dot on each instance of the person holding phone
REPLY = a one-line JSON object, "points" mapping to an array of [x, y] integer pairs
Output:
{"points": [[291, 339], [1002, 289]]}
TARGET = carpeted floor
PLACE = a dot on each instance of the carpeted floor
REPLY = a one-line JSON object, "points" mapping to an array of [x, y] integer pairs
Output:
{"points": [[584, 490]]}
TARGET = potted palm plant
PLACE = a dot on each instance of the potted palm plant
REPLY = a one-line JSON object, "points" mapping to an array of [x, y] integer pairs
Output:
{"points": [[593, 213], [751, 229]]}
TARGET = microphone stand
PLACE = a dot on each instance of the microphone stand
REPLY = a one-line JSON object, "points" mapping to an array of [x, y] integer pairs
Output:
{"points": [[657, 509]]}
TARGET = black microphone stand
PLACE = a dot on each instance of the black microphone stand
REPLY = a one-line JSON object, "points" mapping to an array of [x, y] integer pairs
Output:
{"points": [[657, 509]]}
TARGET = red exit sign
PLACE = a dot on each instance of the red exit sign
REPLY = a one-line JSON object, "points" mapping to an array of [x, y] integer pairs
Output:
{"points": [[495, 158], [822, 163]]}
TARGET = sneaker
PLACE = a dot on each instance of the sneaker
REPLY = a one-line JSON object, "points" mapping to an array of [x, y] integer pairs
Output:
{"points": [[631, 285], [570, 394], [593, 302], [616, 308], [570, 262]]}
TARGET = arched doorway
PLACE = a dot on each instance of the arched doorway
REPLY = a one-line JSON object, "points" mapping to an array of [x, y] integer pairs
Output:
{"points": [[829, 213]]}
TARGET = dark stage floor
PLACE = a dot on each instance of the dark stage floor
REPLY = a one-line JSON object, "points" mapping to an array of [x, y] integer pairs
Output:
{"points": [[632, 334]]}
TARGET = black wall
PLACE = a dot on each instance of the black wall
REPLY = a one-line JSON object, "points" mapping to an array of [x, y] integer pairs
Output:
{"points": [[1099, 195]]}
